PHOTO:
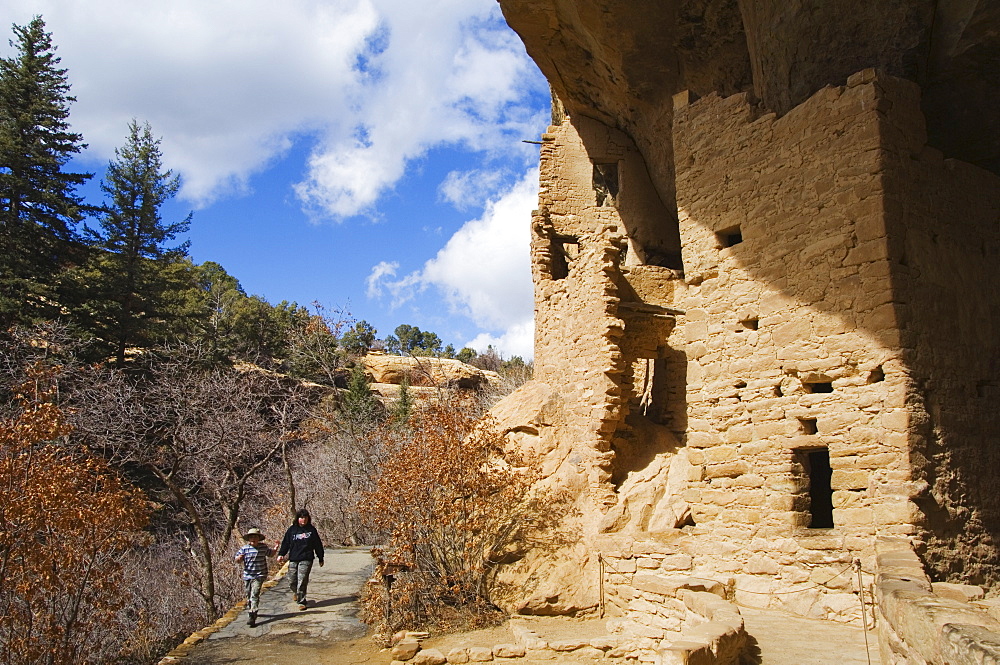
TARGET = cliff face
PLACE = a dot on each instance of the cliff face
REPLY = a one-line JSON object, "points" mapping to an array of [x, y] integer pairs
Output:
{"points": [[765, 265], [620, 61]]}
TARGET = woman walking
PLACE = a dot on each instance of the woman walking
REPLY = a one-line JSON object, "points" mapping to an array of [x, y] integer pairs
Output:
{"points": [[299, 547]]}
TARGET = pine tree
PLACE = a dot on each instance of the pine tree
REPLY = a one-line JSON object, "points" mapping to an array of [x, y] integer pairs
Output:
{"points": [[359, 407], [403, 408], [132, 277], [39, 207]]}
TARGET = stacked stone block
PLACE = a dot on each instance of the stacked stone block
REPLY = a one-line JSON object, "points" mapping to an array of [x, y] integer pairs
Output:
{"points": [[816, 371]]}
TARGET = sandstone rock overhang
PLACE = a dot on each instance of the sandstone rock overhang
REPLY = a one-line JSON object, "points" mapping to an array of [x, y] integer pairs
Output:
{"points": [[620, 61]]}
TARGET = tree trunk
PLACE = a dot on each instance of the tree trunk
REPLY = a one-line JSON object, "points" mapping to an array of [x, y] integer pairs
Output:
{"points": [[288, 476], [207, 568]]}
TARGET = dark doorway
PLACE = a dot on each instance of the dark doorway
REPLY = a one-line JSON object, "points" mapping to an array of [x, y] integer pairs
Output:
{"points": [[820, 492]]}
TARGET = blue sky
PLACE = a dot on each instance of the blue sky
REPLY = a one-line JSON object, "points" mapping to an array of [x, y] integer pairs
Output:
{"points": [[366, 154]]}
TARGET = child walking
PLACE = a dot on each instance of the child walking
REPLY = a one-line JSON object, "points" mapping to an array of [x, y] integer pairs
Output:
{"points": [[300, 546], [253, 556]]}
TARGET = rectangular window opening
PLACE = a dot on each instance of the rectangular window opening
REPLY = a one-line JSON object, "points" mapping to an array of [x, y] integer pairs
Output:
{"points": [[562, 251], [818, 386], [606, 183], [817, 463], [807, 425]]}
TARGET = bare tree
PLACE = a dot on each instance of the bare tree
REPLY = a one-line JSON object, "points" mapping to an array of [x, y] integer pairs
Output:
{"points": [[204, 435], [337, 464]]}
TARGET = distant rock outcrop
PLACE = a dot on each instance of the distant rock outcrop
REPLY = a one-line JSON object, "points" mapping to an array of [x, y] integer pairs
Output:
{"points": [[427, 372]]}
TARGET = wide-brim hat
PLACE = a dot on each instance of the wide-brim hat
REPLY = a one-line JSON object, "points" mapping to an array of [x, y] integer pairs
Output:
{"points": [[253, 532]]}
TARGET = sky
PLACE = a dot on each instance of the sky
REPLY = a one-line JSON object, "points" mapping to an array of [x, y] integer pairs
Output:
{"points": [[367, 155]]}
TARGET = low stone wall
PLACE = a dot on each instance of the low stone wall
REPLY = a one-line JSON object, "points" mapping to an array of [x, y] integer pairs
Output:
{"points": [[929, 624], [709, 631], [714, 633]]}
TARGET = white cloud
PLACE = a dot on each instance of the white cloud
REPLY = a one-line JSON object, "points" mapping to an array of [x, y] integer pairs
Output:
{"points": [[231, 84], [380, 280], [483, 271], [518, 340], [468, 189], [450, 74], [378, 276]]}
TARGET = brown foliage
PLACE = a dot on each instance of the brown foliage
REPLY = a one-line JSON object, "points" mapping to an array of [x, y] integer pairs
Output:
{"points": [[456, 505], [65, 520]]}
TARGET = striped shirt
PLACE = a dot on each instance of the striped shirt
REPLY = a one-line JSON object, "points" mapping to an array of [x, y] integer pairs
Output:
{"points": [[254, 561]]}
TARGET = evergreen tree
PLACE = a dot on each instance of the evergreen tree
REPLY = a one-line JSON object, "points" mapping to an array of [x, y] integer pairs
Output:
{"points": [[39, 207], [392, 345], [429, 344], [417, 342], [403, 408], [133, 273], [409, 338], [359, 407], [359, 339]]}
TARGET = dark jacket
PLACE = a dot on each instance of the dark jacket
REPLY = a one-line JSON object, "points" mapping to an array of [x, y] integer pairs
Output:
{"points": [[300, 542]]}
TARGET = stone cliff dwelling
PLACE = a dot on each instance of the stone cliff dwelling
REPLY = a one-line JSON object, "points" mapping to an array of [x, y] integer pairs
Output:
{"points": [[766, 259]]}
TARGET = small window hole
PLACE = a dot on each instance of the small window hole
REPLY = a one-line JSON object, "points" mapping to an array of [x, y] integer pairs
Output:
{"points": [[807, 426], [562, 251], [750, 324], [818, 386], [876, 375], [729, 237]]}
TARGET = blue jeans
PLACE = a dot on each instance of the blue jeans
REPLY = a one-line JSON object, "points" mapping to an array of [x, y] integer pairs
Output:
{"points": [[298, 578]]}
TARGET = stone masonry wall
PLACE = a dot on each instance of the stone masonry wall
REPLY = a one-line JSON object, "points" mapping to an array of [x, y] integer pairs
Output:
{"points": [[750, 388], [943, 218], [792, 346]]}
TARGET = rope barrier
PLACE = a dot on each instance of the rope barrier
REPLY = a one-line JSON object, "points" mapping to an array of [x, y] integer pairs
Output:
{"points": [[785, 593], [605, 568], [864, 616]]}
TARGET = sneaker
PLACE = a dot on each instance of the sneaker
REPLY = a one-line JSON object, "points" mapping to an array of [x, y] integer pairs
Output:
{"points": [[302, 604], [252, 621]]}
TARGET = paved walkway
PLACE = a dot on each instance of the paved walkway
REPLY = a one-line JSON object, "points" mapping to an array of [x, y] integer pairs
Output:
{"points": [[282, 629], [785, 639], [329, 632]]}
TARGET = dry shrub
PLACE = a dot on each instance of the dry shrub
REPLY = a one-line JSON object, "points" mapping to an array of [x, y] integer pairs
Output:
{"points": [[456, 505], [333, 466], [65, 521]]}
